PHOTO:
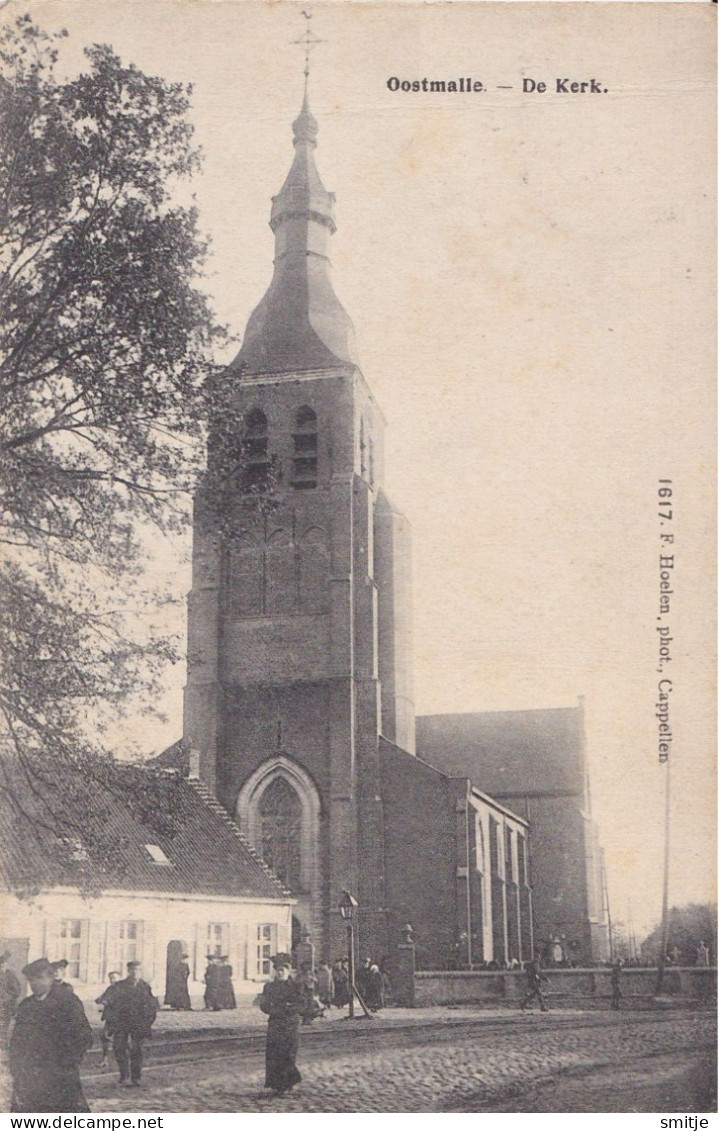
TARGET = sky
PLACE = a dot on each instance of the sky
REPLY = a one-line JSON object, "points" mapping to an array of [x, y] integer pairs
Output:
{"points": [[530, 276]]}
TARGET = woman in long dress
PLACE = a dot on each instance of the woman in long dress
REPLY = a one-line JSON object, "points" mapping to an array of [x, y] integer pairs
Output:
{"points": [[178, 995], [225, 989], [283, 1001]]}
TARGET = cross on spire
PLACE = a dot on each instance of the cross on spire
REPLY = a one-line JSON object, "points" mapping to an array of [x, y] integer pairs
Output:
{"points": [[308, 41]]}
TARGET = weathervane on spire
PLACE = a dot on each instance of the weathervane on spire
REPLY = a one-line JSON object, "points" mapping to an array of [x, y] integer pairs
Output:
{"points": [[309, 40]]}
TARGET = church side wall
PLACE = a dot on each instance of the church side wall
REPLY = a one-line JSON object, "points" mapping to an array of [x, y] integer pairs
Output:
{"points": [[420, 855], [558, 875]]}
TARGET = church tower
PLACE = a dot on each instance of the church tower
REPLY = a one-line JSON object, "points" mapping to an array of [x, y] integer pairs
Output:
{"points": [[299, 652]]}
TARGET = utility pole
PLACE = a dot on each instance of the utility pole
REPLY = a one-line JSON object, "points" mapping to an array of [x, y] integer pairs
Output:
{"points": [[605, 892], [665, 886]]}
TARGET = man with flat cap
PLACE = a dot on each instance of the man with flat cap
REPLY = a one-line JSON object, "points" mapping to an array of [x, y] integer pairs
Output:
{"points": [[58, 973], [283, 1000], [130, 1014], [50, 1038]]}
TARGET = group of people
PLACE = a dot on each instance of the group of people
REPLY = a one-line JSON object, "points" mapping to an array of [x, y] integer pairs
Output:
{"points": [[219, 992], [51, 1035], [372, 984]]}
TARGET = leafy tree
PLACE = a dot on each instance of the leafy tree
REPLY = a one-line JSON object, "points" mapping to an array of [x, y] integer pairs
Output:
{"points": [[105, 346], [688, 926]]}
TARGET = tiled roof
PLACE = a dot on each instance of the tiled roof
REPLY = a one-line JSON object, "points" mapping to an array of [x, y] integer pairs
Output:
{"points": [[508, 753], [207, 854], [175, 757]]}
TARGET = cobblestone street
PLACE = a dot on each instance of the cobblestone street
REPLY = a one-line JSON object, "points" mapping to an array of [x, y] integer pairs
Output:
{"points": [[604, 1062]]}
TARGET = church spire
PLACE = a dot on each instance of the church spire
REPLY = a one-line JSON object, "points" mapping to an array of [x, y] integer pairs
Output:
{"points": [[300, 323]]}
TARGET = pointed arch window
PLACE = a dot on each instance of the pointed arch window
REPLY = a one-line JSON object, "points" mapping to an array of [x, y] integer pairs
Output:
{"points": [[280, 812], [255, 472], [304, 462]]}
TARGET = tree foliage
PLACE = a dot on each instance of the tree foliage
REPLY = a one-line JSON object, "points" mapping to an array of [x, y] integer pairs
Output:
{"points": [[105, 347], [687, 927]]}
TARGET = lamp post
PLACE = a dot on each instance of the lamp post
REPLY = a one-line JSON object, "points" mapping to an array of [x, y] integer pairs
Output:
{"points": [[348, 910]]}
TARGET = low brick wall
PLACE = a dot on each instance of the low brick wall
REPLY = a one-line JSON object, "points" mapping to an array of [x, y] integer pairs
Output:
{"points": [[456, 987]]}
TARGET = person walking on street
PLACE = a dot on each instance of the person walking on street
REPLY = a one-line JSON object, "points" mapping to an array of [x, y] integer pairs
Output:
{"points": [[384, 970], [50, 1038], [341, 978], [615, 980], [312, 1005], [362, 979], [178, 995], [212, 980], [103, 1001], [325, 985], [375, 989], [283, 1001], [131, 1013], [535, 977], [10, 994]]}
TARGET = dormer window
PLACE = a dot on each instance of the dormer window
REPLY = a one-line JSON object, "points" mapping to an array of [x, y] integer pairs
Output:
{"points": [[255, 455], [157, 855], [304, 462]]}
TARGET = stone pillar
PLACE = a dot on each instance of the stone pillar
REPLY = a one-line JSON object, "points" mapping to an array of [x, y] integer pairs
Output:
{"points": [[403, 979], [305, 952]]}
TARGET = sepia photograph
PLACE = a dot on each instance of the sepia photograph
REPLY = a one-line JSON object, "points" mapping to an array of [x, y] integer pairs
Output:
{"points": [[358, 457]]}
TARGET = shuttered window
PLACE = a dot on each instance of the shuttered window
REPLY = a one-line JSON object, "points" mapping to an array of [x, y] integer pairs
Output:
{"points": [[72, 945]]}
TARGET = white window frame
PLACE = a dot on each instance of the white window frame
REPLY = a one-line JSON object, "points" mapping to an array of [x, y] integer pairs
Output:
{"points": [[265, 945], [217, 938], [74, 947], [130, 943]]}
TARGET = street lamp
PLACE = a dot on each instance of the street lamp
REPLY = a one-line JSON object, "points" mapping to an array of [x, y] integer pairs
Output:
{"points": [[348, 910]]}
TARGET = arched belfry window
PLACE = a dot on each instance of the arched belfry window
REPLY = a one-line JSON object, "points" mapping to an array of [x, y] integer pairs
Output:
{"points": [[280, 812], [255, 452], [304, 462]]}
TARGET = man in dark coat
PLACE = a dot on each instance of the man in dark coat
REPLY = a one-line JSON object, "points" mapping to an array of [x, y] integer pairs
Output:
{"points": [[178, 995], [10, 994], [131, 1013], [535, 977], [283, 1001], [50, 1038], [212, 978]]}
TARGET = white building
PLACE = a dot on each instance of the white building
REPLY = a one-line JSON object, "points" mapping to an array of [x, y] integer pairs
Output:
{"points": [[202, 891]]}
